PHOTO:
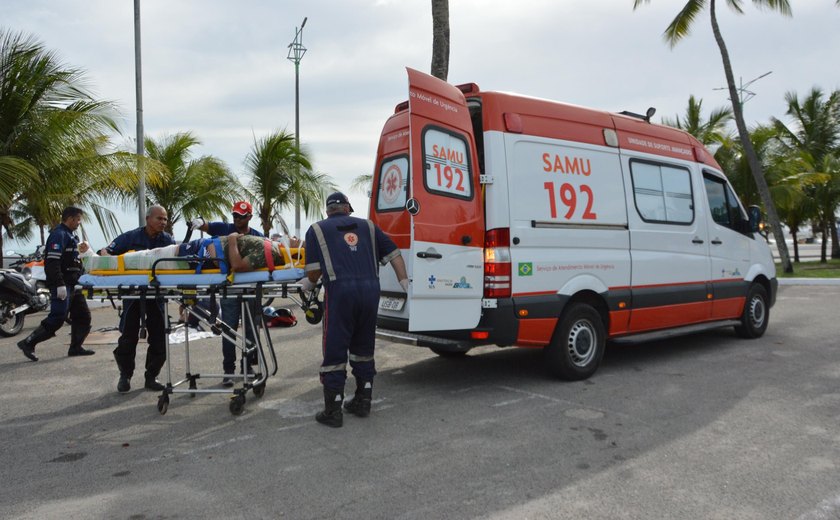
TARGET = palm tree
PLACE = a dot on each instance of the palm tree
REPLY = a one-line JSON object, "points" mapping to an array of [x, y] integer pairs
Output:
{"points": [[278, 173], [707, 132], [48, 124], [676, 31], [362, 183], [815, 136], [187, 187], [440, 39]]}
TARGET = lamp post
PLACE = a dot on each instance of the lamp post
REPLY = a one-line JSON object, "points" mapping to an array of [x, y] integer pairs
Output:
{"points": [[296, 52], [138, 74]]}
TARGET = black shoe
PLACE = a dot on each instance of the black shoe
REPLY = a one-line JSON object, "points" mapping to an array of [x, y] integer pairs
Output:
{"points": [[28, 350], [124, 385], [227, 381], [153, 385], [334, 419], [358, 406], [80, 352]]}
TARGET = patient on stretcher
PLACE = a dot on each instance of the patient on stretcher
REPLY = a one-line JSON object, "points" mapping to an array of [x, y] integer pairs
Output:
{"points": [[241, 253]]}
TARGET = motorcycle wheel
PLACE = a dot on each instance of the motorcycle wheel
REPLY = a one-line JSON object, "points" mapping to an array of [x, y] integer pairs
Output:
{"points": [[10, 325]]}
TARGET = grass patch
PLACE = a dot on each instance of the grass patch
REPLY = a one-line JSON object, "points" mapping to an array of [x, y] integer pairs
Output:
{"points": [[830, 269]]}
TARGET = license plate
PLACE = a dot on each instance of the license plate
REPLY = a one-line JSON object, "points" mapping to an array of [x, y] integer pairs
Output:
{"points": [[391, 303]]}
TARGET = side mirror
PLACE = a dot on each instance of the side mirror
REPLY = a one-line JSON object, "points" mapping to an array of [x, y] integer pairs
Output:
{"points": [[754, 213]]}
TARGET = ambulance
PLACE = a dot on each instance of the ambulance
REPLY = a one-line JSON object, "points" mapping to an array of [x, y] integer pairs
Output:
{"points": [[533, 223]]}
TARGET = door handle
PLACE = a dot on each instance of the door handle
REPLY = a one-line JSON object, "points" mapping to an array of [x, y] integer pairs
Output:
{"points": [[423, 254], [717, 242], [697, 241]]}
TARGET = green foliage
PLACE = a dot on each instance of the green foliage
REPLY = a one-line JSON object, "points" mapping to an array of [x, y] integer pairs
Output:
{"points": [[278, 173], [184, 186]]}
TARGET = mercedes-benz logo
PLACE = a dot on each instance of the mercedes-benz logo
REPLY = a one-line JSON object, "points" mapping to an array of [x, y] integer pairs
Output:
{"points": [[412, 206]]}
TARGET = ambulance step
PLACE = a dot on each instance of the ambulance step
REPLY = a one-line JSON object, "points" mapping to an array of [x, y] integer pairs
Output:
{"points": [[420, 340], [680, 331]]}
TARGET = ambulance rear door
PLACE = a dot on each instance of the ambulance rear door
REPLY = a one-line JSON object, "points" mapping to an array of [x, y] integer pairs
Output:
{"points": [[447, 220]]}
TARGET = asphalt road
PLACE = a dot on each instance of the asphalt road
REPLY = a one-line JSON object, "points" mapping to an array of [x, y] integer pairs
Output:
{"points": [[703, 426]]}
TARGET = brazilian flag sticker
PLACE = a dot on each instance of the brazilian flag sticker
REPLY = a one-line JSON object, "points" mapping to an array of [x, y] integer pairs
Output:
{"points": [[526, 269]]}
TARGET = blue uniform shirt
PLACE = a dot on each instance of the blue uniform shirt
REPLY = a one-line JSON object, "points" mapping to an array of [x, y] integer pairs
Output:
{"points": [[138, 240], [347, 248], [221, 229], [61, 263]]}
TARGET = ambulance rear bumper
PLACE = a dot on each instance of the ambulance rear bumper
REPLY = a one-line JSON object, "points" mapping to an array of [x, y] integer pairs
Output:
{"points": [[499, 324]]}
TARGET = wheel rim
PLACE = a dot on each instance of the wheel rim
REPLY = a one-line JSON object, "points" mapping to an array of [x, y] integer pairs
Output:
{"points": [[758, 313], [8, 323], [581, 343]]}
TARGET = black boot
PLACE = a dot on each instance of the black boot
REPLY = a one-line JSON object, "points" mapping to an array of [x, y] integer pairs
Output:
{"points": [[77, 337], [331, 416], [360, 404], [153, 384], [27, 345]]}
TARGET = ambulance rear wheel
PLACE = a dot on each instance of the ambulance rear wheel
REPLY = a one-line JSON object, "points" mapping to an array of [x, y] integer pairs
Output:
{"points": [[756, 313], [578, 344]]}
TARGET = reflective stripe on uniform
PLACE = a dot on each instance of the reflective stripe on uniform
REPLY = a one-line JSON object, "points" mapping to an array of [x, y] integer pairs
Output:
{"points": [[390, 256], [334, 368], [360, 359], [325, 252]]}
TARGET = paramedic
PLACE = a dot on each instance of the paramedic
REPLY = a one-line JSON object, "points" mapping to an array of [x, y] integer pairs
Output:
{"points": [[346, 251], [63, 269], [231, 308], [150, 236]]}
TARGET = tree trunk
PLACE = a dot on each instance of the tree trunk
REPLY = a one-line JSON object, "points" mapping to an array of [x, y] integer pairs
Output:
{"points": [[440, 39], [823, 244], [752, 158], [795, 247], [835, 246]]}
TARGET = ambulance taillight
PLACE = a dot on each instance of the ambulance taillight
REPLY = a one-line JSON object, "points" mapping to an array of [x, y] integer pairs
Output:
{"points": [[497, 273]]}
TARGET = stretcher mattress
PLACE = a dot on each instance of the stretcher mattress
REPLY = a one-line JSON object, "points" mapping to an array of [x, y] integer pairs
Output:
{"points": [[171, 280]]}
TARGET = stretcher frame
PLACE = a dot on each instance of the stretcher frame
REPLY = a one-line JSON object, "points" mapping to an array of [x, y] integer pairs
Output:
{"points": [[188, 295]]}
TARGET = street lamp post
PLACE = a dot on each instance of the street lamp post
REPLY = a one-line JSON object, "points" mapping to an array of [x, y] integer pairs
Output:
{"points": [[296, 52], [138, 73]]}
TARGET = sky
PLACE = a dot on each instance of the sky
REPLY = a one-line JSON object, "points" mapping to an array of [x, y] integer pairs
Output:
{"points": [[219, 68]]}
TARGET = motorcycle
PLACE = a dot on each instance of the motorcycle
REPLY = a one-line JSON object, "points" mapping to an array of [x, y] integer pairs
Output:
{"points": [[20, 294]]}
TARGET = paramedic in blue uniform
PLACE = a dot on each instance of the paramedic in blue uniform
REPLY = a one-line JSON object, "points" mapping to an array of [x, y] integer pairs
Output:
{"points": [[231, 309], [150, 236], [63, 269], [347, 252]]}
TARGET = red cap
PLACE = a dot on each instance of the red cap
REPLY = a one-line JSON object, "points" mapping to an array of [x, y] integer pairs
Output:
{"points": [[243, 208]]}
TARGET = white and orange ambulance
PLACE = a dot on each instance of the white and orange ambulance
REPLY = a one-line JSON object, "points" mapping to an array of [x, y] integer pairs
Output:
{"points": [[532, 223]]}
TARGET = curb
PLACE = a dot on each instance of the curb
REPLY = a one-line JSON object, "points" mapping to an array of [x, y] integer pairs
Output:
{"points": [[809, 281]]}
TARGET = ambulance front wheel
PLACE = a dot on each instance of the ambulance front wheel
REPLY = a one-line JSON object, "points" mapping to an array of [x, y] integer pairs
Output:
{"points": [[756, 313], [578, 344]]}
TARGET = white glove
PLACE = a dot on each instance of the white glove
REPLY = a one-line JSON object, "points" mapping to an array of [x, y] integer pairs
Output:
{"points": [[196, 223], [306, 284], [404, 284], [61, 292]]}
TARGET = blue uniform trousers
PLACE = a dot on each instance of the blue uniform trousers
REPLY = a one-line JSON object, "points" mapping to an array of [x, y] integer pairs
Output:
{"points": [[126, 349], [76, 306], [350, 308]]}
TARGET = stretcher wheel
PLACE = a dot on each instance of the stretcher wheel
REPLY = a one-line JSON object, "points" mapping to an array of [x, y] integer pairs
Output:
{"points": [[163, 404], [314, 314], [237, 404], [259, 390]]}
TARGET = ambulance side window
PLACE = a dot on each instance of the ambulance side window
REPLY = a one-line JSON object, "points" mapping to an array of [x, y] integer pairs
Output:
{"points": [[446, 160], [662, 192], [723, 205], [392, 189]]}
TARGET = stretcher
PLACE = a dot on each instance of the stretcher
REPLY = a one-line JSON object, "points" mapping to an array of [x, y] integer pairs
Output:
{"points": [[198, 291]]}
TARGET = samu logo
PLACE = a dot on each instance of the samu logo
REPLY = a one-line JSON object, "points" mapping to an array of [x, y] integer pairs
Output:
{"points": [[462, 284]]}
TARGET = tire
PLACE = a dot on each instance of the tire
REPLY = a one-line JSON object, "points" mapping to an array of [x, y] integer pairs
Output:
{"points": [[444, 353], [756, 313], [578, 344], [10, 325]]}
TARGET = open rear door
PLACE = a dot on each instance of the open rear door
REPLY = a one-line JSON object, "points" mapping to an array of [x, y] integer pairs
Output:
{"points": [[447, 218]]}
